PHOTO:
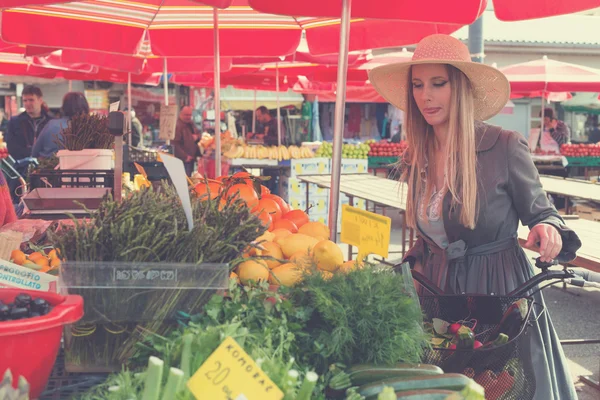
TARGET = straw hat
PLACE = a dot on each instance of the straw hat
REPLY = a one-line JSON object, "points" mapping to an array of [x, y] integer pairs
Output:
{"points": [[491, 89]]}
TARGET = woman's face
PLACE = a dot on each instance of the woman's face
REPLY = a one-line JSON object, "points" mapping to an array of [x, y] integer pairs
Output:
{"points": [[432, 92]]}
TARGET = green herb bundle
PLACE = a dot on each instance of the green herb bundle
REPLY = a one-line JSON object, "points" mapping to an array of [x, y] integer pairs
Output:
{"points": [[365, 316], [86, 131]]}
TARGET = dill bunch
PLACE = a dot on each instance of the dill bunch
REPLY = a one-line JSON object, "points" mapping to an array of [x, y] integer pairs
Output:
{"points": [[365, 316]]}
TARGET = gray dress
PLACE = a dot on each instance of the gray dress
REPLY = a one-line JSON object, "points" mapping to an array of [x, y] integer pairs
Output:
{"points": [[488, 259]]}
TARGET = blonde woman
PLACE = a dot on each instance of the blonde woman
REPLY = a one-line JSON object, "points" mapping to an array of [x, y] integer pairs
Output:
{"points": [[469, 184]]}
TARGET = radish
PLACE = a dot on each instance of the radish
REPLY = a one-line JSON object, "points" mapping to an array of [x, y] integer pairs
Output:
{"points": [[477, 344], [452, 329]]}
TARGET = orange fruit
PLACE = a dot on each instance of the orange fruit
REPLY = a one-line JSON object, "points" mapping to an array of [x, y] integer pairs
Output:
{"points": [[285, 208], [43, 262], [265, 217], [18, 257], [244, 192], [270, 249], [285, 224], [54, 263], [253, 270], [241, 174], [202, 190], [298, 217], [35, 256], [53, 254], [264, 190], [270, 206]]}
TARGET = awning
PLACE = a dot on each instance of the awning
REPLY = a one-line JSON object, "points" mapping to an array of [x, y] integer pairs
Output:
{"points": [[240, 99], [584, 102]]}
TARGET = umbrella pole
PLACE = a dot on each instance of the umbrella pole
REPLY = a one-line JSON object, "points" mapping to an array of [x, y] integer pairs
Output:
{"points": [[129, 138], [338, 128], [278, 110], [70, 86], [217, 96], [166, 88], [254, 114]]}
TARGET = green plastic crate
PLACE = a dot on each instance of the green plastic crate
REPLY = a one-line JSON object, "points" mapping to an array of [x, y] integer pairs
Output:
{"points": [[583, 161]]}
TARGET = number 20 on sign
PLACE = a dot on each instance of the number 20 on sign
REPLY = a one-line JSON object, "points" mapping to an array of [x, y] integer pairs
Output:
{"points": [[230, 374], [368, 231]]}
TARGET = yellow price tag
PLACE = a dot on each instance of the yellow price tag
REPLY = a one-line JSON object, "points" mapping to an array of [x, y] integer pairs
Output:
{"points": [[230, 374], [140, 170], [368, 231]]}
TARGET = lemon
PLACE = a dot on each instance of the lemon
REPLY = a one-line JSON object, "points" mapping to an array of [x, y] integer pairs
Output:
{"points": [[328, 256], [315, 229]]}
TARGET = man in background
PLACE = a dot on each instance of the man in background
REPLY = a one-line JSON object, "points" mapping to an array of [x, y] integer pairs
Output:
{"points": [[187, 136], [269, 124], [555, 133], [24, 129]]}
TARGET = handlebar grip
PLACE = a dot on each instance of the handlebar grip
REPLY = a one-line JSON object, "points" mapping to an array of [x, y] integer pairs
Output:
{"points": [[541, 264], [588, 276], [577, 282]]}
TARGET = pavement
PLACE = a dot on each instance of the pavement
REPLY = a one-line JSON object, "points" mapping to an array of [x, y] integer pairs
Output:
{"points": [[575, 313]]}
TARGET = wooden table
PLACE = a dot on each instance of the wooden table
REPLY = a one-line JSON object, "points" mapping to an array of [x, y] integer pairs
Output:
{"points": [[588, 256], [381, 192], [571, 188]]}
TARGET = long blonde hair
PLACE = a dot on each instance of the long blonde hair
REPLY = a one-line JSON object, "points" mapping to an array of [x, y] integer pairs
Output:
{"points": [[461, 158]]}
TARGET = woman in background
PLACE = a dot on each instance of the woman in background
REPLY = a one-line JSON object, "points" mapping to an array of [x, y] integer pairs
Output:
{"points": [[46, 145]]}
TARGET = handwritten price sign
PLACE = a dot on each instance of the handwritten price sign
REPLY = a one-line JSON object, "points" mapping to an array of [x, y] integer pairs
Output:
{"points": [[368, 231], [230, 374]]}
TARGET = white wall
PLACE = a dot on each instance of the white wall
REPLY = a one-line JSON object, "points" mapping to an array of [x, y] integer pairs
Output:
{"points": [[54, 93]]}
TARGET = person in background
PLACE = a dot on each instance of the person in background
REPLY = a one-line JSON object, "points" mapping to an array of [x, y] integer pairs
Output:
{"points": [[24, 129], [187, 137], [74, 103], [594, 136], [269, 133], [555, 132], [136, 130], [3, 122], [7, 210]]}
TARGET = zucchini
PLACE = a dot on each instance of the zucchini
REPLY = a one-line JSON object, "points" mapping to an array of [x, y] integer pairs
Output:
{"points": [[362, 374], [454, 382], [429, 394]]}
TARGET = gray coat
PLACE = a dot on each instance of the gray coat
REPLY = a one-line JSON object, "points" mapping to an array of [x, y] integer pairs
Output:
{"points": [[488, 259]]}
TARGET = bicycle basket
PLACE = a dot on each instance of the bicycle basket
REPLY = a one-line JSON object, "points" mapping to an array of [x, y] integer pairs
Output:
{"points": [[506, 371]]}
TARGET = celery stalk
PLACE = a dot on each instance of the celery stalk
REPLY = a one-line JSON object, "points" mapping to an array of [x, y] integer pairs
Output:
{"points": [[174, 383], [308, 385], [153, 381], [186, 358]]}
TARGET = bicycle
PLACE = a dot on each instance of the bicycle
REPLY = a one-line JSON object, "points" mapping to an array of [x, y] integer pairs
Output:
{"points": [[504, 370]]}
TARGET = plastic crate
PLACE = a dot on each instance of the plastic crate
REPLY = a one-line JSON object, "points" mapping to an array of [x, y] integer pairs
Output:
{"points": [[125, 302], [583, 161], [382, 162], [72, 178]]}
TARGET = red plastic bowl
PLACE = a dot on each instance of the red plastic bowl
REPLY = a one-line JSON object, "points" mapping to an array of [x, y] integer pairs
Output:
{"points": [[30, 346]]}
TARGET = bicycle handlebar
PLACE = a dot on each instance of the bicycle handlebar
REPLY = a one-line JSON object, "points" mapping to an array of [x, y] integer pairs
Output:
{"points": [[576, 278]]}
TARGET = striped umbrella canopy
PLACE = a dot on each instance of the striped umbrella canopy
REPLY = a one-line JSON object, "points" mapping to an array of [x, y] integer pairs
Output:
{"points": [[174, 28]]}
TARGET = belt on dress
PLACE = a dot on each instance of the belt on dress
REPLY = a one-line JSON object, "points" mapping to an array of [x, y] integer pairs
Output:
{"points": [[459, 249]]}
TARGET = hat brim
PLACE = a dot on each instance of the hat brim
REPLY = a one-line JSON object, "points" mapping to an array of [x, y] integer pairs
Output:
{"points": [[491, 89]]}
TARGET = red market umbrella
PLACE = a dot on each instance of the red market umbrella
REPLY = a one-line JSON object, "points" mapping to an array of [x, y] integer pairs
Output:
{"points": [[139, 64], [550, 96], [174, 28], [505, 10], [552, 76], [548, 75], [360, 73]]}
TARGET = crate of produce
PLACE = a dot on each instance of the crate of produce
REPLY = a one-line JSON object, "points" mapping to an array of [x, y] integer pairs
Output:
{"points": [[72, 178]]}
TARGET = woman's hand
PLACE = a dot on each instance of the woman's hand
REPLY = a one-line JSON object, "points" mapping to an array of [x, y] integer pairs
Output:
{"points": [[549, 239]]}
